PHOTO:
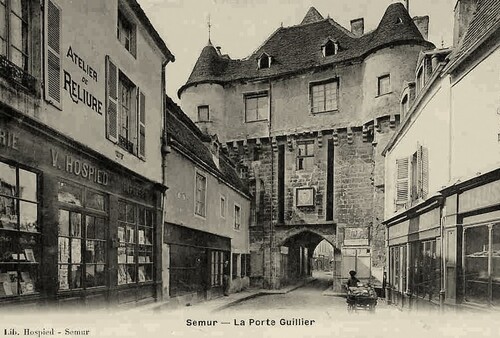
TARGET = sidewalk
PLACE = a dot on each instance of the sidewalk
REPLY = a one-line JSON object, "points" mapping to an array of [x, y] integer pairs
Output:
{"points": [[221, 303]]}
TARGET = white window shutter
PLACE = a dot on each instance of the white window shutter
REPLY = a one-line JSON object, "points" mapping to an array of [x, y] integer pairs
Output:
{"points": [[52, 55], [402, 180], [425, 171], [142, 125], [111, 100]]}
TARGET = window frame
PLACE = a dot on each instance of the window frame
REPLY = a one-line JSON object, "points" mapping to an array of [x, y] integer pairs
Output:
{"points": [[379, 87], [17, 232], [200, 174], [208, 113], [223, 206], [84, 210], [312, 85], [256, 95], [299, 162], [124, 23], [25, 39], [327, 47], [128, 142], [237, 220]]}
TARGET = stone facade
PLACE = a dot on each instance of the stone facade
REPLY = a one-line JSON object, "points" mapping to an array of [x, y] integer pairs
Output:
{"points": [[345, 169]]}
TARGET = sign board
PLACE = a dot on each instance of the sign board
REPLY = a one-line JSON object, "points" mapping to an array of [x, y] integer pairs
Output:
{"points": [[356, 236]]}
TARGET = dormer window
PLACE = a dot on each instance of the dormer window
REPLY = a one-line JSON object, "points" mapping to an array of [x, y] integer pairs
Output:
{"points": [[264, 61], [330, 48], [399, 21]]}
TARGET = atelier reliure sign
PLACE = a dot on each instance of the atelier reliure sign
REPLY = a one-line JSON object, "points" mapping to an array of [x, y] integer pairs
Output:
{"points": [[81, 91]]}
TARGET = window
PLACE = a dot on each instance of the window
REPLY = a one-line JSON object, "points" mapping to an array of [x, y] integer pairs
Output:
{"points": [[405, 105], [264, 61], [384, 85], [14, 19], [305, 155], [237, 217], [420, 79], [82, 242], [203, 114], [235, 261], [135, 237], [216, 267], [256, 107], [126, 133], [200, 191], [412, 177], [245, 265], [482, 264], [330, 48], [425, 269], [20, 235], [125, 32], [125, 111], [324, 96], [398, 260], [222, 207]]}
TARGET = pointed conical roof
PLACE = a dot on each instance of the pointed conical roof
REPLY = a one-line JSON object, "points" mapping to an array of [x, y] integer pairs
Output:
{"points": [[312, 16], [209, 65]]}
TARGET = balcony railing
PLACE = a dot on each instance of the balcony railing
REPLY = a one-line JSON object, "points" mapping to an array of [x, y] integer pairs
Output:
{"points": [[16, 75]]}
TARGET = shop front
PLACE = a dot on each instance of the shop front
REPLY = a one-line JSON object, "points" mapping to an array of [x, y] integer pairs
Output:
{"points": [[75, 228], [472, 231], [414, 256], [196, 260]]}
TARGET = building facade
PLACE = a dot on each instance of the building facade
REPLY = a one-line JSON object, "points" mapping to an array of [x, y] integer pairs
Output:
{"points": [[207, 215], [82, 187], [309, 114], [442, 166]]}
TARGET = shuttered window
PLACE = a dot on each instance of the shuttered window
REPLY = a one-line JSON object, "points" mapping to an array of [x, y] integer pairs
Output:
{"points": [[53, 53], [412, 177], [142, 125], [402, 180]]}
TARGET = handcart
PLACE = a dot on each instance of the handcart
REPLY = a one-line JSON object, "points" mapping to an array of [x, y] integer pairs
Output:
{"points": [[362, 297]]}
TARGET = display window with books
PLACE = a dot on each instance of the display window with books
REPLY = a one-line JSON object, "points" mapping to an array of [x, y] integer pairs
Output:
{"points": [[135, 248], [20, 233], [82, 239]]}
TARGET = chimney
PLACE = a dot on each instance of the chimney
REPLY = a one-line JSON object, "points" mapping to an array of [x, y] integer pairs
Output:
{"points": [[358, 26], [422, 23], [464, 10]]}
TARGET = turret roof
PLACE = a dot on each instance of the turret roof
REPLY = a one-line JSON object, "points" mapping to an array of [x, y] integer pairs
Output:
{"points": [[298, 48]]}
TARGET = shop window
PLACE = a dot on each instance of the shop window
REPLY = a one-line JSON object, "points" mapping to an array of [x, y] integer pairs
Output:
{"points": [[324, 96], [216, 268], [125, 111], [482, 251], [237, 217], [383, 85], [201, 198], [203, 114], [398, 268], [305, 155], [425, 268], [82, 240], [187, 269], [412, 178], [135, 237], [20, 235], [126, 33], [256, 107]]}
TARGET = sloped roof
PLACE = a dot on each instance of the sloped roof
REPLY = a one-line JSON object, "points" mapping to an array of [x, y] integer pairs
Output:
{"points": [[312, 16], [298, 48], [485, 21], [183, 131]]}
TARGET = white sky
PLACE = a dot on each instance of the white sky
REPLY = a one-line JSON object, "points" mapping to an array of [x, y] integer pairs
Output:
{"points": [[240, 26]]}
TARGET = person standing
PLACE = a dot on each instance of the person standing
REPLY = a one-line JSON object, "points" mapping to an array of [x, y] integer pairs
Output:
{"points": [[225, 277]]}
